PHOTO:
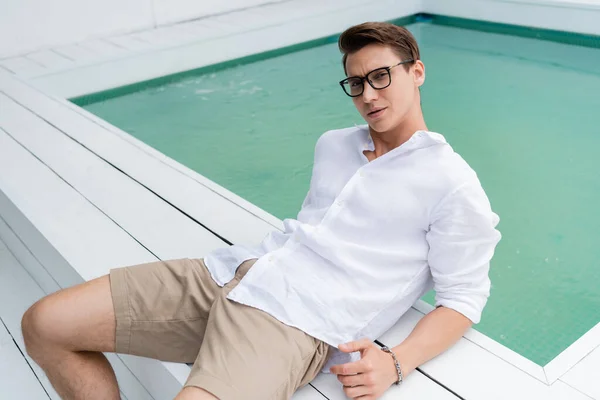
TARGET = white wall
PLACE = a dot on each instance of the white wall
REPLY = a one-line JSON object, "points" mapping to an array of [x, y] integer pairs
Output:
{"points": [[29, 25]]}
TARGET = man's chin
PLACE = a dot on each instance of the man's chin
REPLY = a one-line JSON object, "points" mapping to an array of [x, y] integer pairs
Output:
{"points": [[379, 126]]}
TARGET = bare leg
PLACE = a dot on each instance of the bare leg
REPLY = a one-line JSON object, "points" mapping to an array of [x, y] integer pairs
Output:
{"points": [[66, 333], [195, 393]]}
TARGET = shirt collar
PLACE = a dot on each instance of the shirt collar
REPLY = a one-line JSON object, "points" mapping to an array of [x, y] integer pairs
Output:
{"points": [[420, 139]]}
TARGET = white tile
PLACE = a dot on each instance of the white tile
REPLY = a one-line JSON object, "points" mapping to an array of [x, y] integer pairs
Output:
{"points": [[294, 10], [4, 335], [278, 17], [297, 10], [17, 292], [220, 26], [562, 391], [23, 66], [158, 377], [17, 380], [104, 48], [154, 37], [308, 393], [167, 36], [506, 354], [130, 43], [69, 207], [423, 307], [201, 32], [182, 36], [77, 54], [244, 19], [26, 258], [585, 375], [50, 60], [81, 169], [573, 354]]}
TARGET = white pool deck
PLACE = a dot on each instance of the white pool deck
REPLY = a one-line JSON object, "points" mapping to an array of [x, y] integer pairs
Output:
{"points": [[79, 196]]}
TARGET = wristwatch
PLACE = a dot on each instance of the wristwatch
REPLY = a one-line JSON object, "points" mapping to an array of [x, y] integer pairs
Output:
{"points": [[400, 377]]}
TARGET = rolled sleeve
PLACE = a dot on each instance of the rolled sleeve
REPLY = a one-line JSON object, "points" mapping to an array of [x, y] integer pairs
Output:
{"points": [[462, 239]]}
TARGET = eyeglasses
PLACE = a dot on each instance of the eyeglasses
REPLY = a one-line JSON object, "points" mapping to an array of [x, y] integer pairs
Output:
{"points": [[379, 78]]}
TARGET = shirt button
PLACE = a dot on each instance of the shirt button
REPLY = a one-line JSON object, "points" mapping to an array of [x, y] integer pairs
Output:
{"points": [[271, 259], [339, 203], [361, 174]]}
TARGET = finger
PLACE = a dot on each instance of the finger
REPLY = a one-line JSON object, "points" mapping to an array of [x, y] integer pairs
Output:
{"points": [[351, 380], [356, 345], [357, 391], [356, 367]]}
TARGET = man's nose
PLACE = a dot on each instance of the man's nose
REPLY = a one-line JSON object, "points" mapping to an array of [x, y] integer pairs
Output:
{"points": [[369, 94]]}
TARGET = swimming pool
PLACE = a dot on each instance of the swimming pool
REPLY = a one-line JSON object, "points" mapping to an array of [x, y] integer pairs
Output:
{"points": [[521, 111]]}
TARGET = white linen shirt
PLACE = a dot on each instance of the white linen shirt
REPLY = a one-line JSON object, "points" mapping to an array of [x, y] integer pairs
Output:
{"points": [[370, 239]]}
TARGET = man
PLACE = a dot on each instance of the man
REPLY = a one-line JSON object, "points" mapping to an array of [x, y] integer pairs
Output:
{"points": [[392, 211]]}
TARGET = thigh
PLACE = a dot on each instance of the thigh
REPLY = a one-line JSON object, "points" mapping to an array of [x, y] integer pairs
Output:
{"points": [[161, 308], [247, 353]]}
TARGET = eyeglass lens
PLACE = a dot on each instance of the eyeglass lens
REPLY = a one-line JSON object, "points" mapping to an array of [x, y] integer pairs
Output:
{"points": [[379, 79]]}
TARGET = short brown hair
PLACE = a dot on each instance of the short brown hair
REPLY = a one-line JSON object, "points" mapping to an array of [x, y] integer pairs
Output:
{"points": [[398, 38]]}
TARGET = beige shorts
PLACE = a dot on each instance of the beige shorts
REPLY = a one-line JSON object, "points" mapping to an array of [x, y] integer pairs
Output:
{"points": [[174, 311]]}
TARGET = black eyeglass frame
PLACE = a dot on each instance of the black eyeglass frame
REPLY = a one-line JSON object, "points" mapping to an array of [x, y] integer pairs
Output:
{"points": [[364, 78]]}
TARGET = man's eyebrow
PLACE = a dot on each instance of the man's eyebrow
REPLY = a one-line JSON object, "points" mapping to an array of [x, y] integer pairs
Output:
{"points": [[368, 72]]}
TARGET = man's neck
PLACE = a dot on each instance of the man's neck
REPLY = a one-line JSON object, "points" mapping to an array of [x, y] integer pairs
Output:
{"points": [[387, 141]]}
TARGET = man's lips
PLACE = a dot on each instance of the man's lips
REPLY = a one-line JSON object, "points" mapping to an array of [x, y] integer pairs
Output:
{"points": [[376, 112], [373, 111]]}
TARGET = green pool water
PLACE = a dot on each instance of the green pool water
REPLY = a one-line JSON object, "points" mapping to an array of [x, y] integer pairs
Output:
{"points": [[525, 114]]}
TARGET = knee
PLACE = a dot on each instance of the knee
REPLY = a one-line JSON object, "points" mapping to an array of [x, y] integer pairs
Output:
{"points": [[36, 325]]}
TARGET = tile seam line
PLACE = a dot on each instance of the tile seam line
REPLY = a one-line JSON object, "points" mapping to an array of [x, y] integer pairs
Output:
{"points": [[54, 280], [127, 143], [28, 250], [378, 342], [566, 370], [77, 191], [24, 358], [113, 166], [576, 389]]}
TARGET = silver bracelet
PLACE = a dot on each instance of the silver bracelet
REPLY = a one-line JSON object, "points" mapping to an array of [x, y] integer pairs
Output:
{"points": [[400, 377]]}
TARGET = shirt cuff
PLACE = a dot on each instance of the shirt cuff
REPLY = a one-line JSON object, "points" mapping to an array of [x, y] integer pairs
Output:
{"points": [[467, 308]]}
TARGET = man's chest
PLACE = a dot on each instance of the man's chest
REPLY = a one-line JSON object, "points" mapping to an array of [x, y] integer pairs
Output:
{"points": [[391, 193]]}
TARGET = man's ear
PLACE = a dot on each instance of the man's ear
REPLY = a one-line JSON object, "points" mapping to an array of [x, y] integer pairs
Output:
{"points": [[419, 73]]}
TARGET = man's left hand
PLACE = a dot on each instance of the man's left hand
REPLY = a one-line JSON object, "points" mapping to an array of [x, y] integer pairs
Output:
{"points": [[369, 377]]}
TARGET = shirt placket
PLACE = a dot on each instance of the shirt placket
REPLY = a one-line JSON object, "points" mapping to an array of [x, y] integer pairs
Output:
{"points": [[340, 201]]}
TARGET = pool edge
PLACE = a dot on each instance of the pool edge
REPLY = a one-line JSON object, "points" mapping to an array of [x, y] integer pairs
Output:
{"points": [[557, 36]]}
